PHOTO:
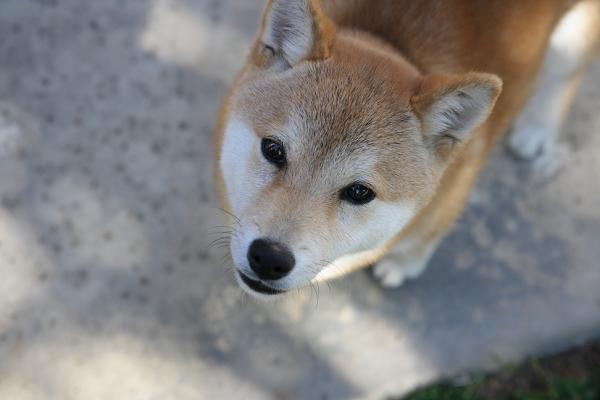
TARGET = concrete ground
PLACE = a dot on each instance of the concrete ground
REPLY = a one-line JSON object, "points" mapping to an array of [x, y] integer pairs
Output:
{"points": [[108, 291]]}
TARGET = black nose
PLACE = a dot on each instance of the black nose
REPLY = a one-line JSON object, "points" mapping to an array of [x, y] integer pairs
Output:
{"points": [[270, 260]]}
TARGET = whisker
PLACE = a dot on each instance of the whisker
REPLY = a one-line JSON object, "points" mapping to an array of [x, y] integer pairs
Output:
{"points": [[228, 233], [218, 241], [328, 286], [222, 226], [312, 290], [239, 222]]}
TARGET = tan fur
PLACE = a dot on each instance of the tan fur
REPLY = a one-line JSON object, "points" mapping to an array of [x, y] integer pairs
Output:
{"points": [[380, 64]]}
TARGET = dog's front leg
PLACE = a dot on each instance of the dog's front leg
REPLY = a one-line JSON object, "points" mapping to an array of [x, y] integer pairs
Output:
{"points": [[407, 260], [414, 246], [573, 46]]}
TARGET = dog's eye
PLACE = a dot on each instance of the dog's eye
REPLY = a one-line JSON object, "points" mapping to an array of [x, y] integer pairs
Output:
{"points": [[357, 194], [273, 151]]}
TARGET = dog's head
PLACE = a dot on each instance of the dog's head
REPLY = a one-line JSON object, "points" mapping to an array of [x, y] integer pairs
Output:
{"points": [[332, 143]]}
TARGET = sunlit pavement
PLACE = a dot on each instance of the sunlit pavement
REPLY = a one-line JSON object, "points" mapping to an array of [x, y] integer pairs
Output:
{"points": [[108, 289]]}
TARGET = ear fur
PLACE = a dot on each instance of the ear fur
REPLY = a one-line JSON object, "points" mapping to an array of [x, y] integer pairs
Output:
{"points": [[451, 107], [295, 31]]}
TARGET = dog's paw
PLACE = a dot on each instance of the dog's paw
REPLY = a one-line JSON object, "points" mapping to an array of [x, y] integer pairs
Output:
{"points": [[392, 273], [538, 146], [550, 162], [527, 141]]}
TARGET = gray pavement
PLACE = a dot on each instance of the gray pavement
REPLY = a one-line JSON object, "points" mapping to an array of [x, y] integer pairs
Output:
{"points": [[108, 290]]}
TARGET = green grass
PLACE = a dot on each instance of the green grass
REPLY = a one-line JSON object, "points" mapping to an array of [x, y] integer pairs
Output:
{"points": [[573, 375], [557, 389], [444, 392], [563, 389]]}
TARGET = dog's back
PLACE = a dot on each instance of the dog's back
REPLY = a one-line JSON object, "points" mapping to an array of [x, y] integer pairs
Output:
{"points": [[507, 38]]}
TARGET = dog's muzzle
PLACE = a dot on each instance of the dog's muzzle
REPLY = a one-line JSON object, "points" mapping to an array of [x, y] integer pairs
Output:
{"points": [[258, 286]]}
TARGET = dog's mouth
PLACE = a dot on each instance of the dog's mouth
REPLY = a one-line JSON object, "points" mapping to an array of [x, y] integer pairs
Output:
{"points": [[258, 286]]}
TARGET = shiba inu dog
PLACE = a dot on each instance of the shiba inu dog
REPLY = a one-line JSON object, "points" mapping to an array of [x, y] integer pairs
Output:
{"points": [[356, 129]]}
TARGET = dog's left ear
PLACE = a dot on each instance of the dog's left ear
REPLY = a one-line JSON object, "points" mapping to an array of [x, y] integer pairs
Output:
{"points": [[452, 107], [294, 31]]}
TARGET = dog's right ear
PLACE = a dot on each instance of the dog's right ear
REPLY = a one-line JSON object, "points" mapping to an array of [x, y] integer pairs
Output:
{"points": [[293, 31], [451, 107]]}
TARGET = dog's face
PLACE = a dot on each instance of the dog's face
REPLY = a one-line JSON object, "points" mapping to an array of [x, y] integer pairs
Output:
{"points": [[332, 145]]}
